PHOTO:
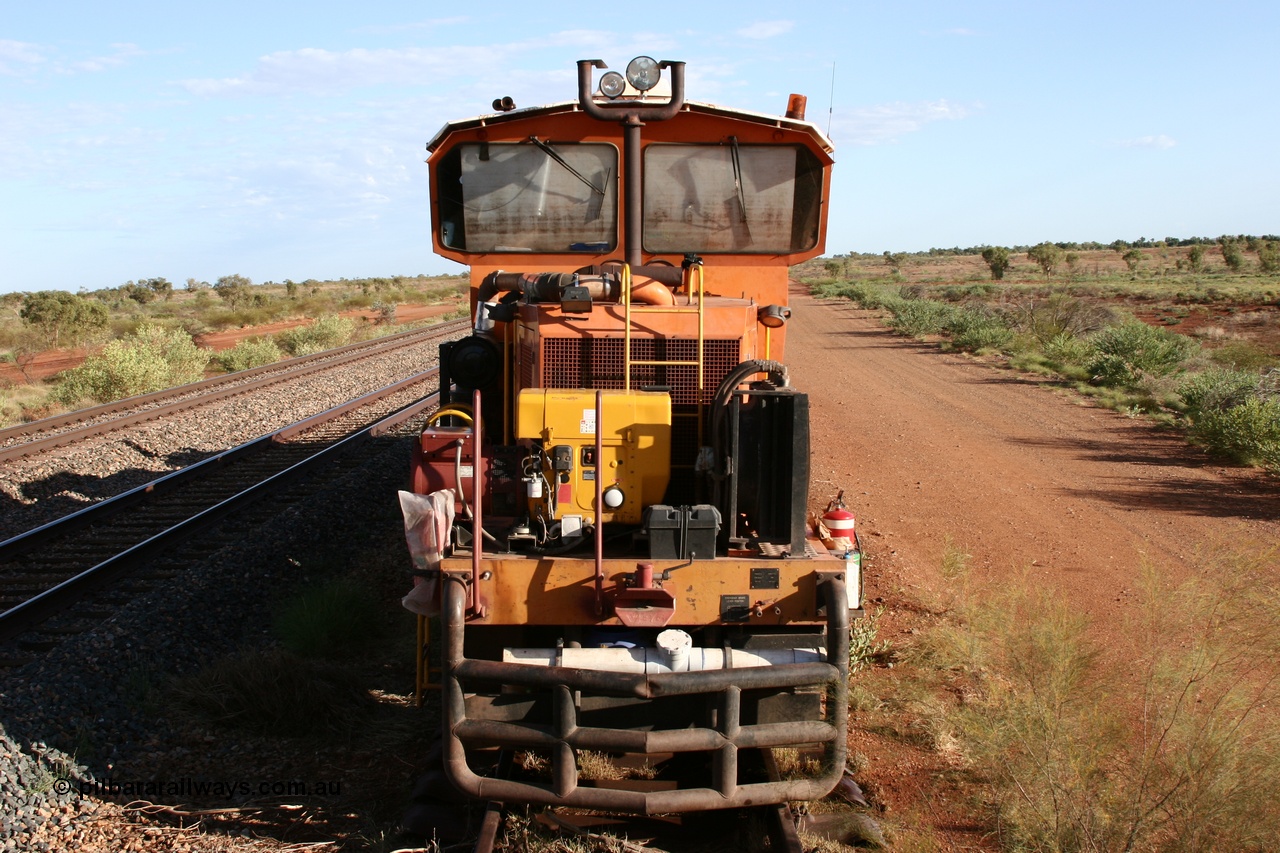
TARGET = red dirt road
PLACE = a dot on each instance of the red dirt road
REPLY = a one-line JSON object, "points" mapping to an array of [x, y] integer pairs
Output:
{"points": [[1036, 484], [931, 445]]}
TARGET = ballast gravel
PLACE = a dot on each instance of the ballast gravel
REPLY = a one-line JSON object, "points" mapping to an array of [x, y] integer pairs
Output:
{"points": [[38, 490], [73, 738], [70, 720]]}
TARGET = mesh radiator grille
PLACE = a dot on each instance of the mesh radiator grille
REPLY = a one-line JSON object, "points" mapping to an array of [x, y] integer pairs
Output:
{"points": [[598, 363]]}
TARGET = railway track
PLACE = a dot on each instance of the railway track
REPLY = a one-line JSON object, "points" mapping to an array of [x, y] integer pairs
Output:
{"points": [[40, 436], [68, 576], [48, 574]]}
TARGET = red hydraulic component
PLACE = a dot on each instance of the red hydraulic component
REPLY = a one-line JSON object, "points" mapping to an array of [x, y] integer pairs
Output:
{"points": [[642, 604]]}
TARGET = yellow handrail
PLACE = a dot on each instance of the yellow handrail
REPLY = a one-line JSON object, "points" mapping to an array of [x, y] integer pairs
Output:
{"points": [[694, 271]]}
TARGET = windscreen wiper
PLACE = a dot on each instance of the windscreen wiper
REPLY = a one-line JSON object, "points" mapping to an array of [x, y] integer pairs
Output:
{"points": [[737, 176], [555, 155]]}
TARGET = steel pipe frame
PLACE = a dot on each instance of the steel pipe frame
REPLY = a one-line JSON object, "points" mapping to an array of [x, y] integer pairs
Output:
{"points": [[632, 115], [564, 736]]}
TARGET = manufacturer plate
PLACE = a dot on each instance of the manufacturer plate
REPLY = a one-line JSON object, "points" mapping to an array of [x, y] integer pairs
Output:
{"points": [[764, 578]]}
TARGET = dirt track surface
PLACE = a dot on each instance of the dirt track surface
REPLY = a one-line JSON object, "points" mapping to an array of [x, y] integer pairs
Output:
{"points": [[1036, 484], [1019, 474]]}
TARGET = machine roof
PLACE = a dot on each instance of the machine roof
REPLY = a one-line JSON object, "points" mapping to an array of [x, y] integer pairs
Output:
{"points": [[689, 106]]}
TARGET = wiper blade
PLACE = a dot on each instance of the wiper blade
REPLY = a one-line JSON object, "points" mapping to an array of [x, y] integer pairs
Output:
{"points": [[555, 155], [737, 176]]}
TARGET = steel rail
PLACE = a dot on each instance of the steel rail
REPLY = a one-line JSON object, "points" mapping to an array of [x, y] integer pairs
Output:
{"points": [[108, 507], [209, 391], [35, 610]]}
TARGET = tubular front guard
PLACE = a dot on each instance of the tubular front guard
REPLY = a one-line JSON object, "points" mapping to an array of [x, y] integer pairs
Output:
{"points": [[723, 738]]}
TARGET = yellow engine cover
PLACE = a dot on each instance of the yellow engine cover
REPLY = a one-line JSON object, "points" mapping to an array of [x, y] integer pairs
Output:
{"points": [[636, 452]]}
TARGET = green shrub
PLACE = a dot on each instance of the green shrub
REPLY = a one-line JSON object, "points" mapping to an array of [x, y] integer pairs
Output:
{"points": [[150, 359], [358, 301], [963, 292], [1269, 257], [1248, 433], [864, 648], [1065, 348], [1058, 314], [997, 260], [325, 333], [1232, 256], [917, 317], [1195, 258], [253, 352], [1243, 355], [1047, 255], [974, 328], [830, 289], [1124, 353], [865, 294], [1216, 390]]}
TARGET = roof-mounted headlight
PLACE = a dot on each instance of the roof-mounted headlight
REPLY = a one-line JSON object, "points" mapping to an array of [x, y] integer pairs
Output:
{"points": [[643, 73], [612, 84]]}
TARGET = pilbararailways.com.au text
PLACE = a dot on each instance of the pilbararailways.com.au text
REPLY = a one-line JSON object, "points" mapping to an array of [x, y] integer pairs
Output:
{"points": [[192, 787]]}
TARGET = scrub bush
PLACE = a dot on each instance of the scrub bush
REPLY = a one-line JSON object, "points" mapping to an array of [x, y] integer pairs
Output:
{"points": [[253, 352], [917, 317], [1059, 314], [1248, 432], [151, 359], [974, 328], [325, 333], [1124, 353], [1216, 390]]}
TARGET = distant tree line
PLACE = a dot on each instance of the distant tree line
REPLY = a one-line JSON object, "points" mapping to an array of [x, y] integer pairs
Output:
{"points": [[1250, 242]]}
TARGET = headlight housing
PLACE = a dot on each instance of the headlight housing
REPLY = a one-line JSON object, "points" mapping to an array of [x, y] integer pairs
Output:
{"points": [[643, 73], [612, 84]]}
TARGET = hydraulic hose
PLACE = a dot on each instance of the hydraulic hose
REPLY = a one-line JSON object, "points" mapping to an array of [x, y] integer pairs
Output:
{"points": [[777, 371]]}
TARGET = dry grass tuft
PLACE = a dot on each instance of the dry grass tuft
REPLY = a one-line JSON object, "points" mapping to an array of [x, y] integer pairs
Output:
{"points": [[1175, 750]]}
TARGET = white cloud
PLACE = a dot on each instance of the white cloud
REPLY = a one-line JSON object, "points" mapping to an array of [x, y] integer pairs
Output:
{"points": [[1159, 142], [19, 56], [315, 69], [885, 123], [766, 29], [326, 71], [412, 26], [122, 53]]}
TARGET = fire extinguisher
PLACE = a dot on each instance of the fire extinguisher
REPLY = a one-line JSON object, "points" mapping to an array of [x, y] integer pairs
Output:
{"points": [[839, 520]]}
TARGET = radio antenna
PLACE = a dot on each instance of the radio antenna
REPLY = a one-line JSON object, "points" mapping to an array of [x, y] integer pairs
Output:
{"points": [[831, 101]]}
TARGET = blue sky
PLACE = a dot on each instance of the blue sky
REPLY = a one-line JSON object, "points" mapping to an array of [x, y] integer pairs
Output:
{"points": [[285, 140]]}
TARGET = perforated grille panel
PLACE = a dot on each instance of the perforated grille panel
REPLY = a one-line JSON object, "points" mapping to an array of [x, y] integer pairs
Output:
{"points": [[598, 363], [528, 364]]}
